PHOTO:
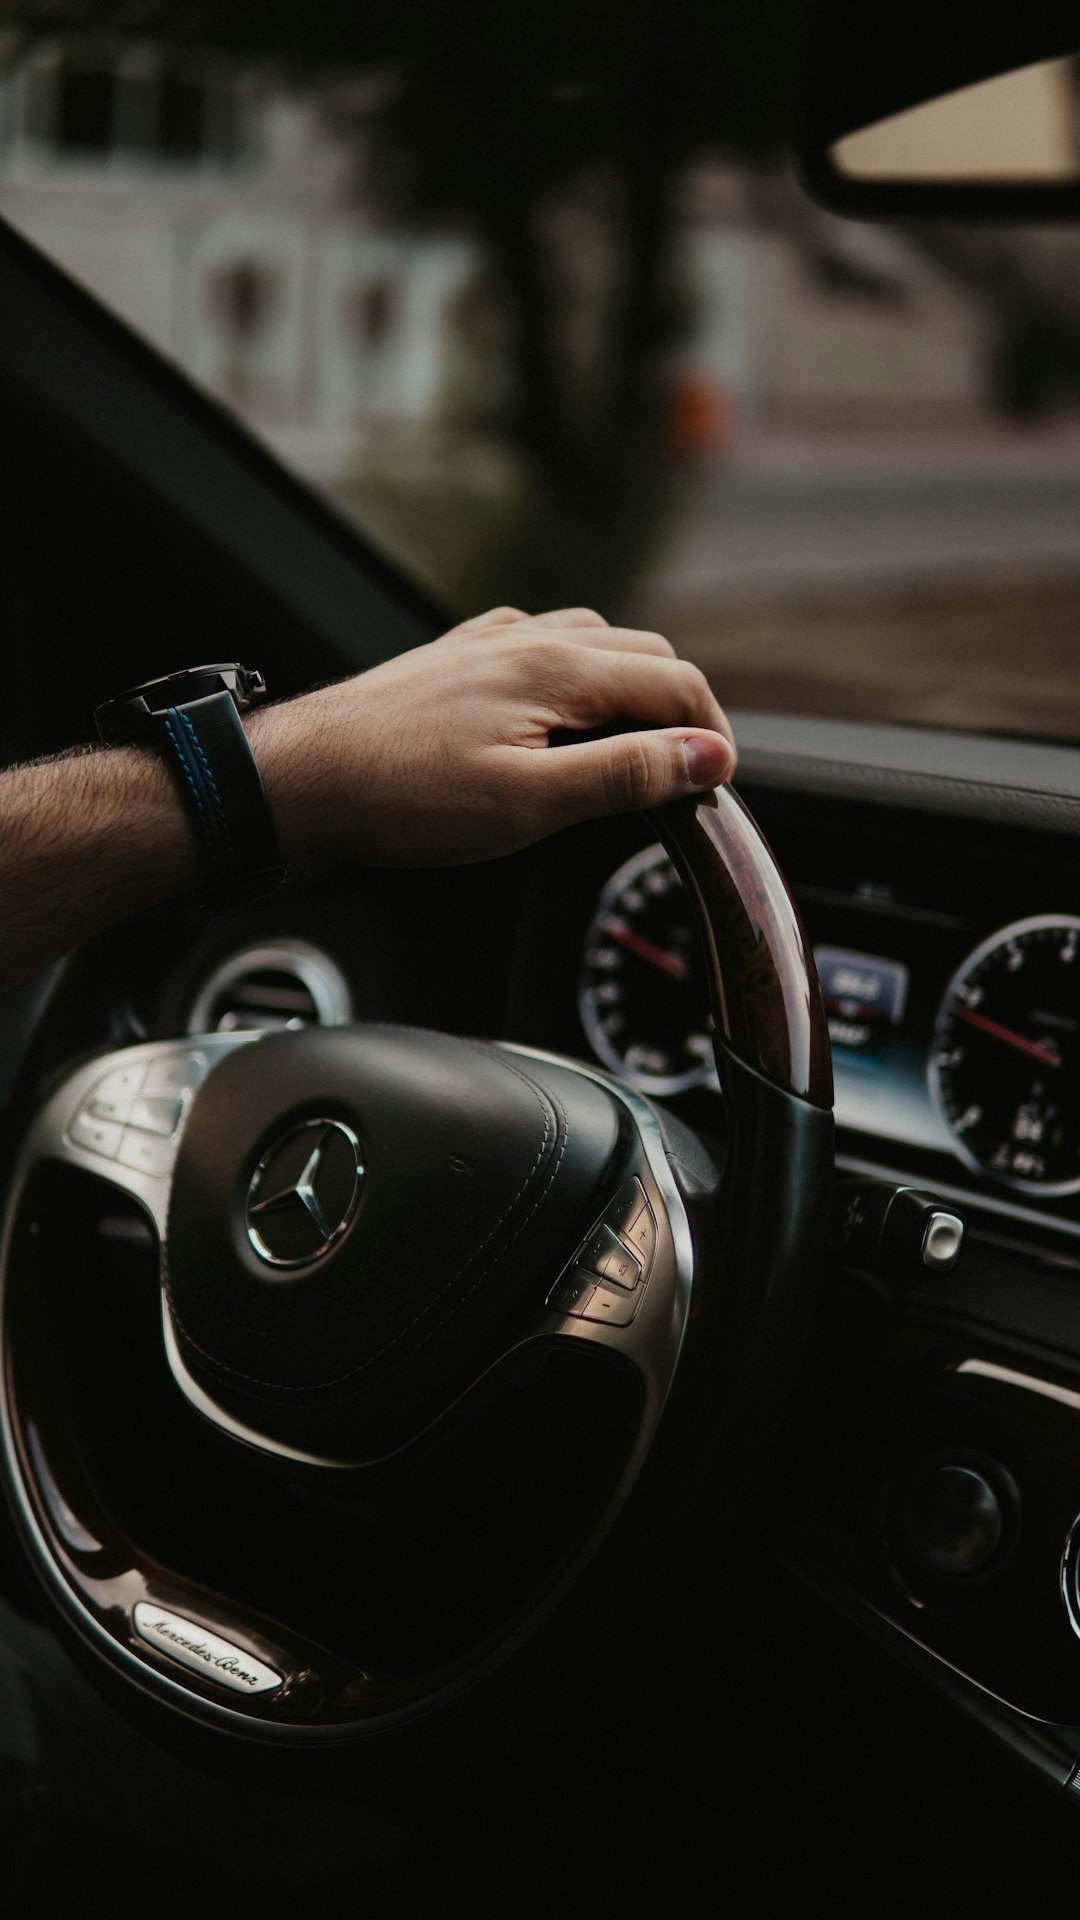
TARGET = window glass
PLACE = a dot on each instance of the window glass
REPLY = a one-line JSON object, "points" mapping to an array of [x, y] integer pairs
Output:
{"points": [[552, 319]]}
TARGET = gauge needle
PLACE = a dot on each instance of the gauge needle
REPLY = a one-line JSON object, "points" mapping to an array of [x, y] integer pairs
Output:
{"points": [[656, 956], [1013, 1039]]}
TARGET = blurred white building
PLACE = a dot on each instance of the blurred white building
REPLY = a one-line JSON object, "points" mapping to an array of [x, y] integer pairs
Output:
{"points": [[216, 216], [806, 318]]}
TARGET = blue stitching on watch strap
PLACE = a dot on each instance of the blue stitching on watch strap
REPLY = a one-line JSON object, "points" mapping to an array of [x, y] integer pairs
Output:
{"points": [[209, 819], [184, 768], [207, 775]]}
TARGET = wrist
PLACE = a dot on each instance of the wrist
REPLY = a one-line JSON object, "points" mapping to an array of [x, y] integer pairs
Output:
{"points": [[132, 783], [192, 720], [290, 753]]}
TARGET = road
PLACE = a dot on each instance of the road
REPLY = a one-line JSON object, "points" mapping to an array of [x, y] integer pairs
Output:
{"points": [[944, 590]]}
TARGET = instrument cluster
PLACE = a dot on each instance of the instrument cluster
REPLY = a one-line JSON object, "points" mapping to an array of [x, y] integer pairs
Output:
{"points": [[976, 1056]]}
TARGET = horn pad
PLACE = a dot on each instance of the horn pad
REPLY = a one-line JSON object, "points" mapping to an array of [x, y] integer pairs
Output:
{"points": [[358, 1214]]}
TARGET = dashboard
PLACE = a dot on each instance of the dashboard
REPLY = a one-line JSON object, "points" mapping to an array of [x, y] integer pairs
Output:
{"points": [[948, 953]]}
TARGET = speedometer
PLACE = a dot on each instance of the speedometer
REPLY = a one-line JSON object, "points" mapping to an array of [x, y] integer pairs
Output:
{"points": [[642, 995], [1005, 1069]]}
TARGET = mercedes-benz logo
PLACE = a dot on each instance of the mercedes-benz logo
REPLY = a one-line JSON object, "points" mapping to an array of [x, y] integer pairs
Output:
{"points": [[304, 1193]]}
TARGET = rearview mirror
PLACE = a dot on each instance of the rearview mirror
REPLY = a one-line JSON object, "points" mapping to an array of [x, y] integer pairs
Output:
{"points": [[908, 115]]}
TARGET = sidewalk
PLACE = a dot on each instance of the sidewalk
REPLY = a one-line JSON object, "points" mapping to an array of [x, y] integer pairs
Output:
{"points": [[830, 518]]}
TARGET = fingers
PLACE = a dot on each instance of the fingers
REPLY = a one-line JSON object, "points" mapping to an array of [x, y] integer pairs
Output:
{"points": [[579, 625], [569, 617], [513, 616], [497, 617], [587, 688], [586, 628], [631, 770], [619, 640]]}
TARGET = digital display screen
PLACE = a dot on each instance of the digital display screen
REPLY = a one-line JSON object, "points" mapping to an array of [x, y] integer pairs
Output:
{"points": [[864, 996]]}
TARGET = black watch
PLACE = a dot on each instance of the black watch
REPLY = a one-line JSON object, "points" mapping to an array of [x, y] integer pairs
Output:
{"points": [[193, 718]]}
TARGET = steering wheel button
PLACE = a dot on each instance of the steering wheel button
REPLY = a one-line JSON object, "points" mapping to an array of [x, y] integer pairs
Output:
{"points": [[155, 1116], [147, 1152], [622, 1269], [626, 1206], [121, 1084], [105, 1107], [607, 1258], [98, 1136], [572, 1293], [610, 1304], [175, 1074], [641, 1235], [594, 1248]]}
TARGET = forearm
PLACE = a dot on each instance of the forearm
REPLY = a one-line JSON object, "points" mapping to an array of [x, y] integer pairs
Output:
{"points": [[90, 837], [84, 840]]}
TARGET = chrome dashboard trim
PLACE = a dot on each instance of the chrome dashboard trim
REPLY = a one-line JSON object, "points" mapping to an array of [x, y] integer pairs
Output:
{"points": [[315, 970], [1029, 1382]]}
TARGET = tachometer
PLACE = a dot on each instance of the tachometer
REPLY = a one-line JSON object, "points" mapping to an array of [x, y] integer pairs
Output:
{"points": [[642, 995], [1005, 1069]]}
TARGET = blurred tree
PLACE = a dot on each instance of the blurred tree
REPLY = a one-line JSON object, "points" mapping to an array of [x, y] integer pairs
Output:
{"points": [[1031, 298], [488, 116], [1035, 365]]}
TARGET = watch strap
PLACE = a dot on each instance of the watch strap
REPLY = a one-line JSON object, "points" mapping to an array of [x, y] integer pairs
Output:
{"points": [[129, 716], [219, 781]]}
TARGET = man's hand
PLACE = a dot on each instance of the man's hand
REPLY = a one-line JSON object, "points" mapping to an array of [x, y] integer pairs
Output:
{"points": [[442, 754]]}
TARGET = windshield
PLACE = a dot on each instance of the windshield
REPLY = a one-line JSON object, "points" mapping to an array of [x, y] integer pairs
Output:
{"points": [[538, 301]]}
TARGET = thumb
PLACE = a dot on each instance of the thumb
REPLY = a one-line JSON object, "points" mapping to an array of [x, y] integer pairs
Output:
{"points": [[628, 771]]}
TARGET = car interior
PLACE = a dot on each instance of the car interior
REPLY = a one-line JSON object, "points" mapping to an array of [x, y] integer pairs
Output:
{"points": [[724, 1542]]}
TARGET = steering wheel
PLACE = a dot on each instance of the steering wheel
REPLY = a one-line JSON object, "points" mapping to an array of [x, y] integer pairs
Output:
{"points": [[333, 1357]]}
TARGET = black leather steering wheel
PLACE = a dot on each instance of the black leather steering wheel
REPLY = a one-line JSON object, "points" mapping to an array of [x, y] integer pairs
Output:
{"points": [[331, 1357]]}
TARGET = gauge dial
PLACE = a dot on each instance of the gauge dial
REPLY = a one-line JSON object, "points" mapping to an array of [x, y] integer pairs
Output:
{"points": [[642, 993], [1005, 1070]]}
